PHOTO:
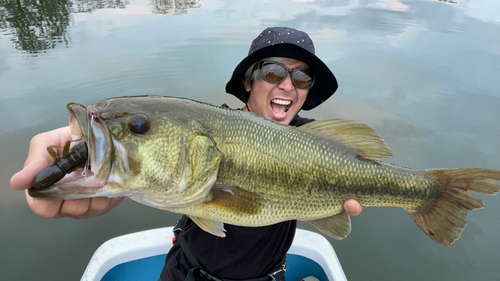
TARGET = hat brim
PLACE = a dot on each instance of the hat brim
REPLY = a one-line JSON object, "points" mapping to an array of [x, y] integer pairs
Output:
{"points": [[324, 86]]}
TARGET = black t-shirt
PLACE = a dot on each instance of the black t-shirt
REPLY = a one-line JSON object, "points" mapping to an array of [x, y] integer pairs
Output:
{"points": [[245, 252]]}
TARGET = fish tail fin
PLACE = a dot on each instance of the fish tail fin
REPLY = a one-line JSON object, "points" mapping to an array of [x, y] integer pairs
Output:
{"points": [[445, 219]]}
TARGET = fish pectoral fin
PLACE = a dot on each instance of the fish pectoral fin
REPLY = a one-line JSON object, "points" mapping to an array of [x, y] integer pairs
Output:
{"points": [[235, 199], [337, 226], [203, 160], [213, 227], [354, 135]]}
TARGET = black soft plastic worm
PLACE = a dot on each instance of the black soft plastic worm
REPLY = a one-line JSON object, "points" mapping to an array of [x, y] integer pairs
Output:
{"points": [[69, 161]]}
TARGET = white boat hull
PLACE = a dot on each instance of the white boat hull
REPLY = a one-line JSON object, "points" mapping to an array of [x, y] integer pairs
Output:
{"points": [[154, 242]]}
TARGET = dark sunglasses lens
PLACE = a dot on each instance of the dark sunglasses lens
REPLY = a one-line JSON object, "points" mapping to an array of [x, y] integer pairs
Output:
{"points": [[273, 73], [303, 78]]}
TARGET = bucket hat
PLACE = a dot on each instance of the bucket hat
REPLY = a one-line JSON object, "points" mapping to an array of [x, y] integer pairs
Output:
{"points": [[289, 43]]}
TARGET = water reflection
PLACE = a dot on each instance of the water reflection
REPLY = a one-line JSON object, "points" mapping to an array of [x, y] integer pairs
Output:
{"points": [[88, 6], [38, 25], [174, 7]]}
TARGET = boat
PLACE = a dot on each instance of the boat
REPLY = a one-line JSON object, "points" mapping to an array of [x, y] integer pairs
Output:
{"points": [[141, 255]]}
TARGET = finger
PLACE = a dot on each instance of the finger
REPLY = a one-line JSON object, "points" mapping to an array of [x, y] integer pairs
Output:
{"points": [[24, 178], [45, 208], [40, 142], [88, 207], [117, 201], [100, 206], [75, 208], [352, 207], [38, 158]]}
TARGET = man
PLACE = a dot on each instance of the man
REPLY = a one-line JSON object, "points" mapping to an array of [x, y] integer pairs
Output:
{"points": [[280, 76]]}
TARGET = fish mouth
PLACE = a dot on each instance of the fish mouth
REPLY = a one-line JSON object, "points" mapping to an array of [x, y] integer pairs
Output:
{"points": [[85, 124], [91, 180]]}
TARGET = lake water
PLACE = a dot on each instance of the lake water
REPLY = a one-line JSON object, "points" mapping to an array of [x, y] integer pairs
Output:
{"points": [[424, 74]]}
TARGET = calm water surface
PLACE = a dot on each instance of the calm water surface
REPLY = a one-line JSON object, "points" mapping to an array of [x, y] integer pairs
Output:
{"points": [[424, 74]]}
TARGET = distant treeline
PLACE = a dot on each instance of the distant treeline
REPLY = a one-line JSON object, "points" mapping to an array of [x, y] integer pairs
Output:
{"points": [[37, 25]]}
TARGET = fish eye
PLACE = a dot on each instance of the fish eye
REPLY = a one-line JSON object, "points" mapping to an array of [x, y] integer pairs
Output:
{"points": [[139, 124]]}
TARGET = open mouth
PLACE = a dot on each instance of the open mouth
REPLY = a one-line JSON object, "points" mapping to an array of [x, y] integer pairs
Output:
{"points": [[90, 172], [85, 124], [280, 107]]}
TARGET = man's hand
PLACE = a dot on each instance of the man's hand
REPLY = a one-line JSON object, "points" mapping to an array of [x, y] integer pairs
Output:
{"points": [[352, 207], [38, 158]]}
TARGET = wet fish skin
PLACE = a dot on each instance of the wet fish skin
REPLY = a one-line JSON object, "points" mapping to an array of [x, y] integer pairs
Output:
{"points": [[219, 165]]}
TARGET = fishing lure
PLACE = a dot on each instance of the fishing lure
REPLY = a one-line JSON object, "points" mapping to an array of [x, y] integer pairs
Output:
{"points": [[70, 160]]}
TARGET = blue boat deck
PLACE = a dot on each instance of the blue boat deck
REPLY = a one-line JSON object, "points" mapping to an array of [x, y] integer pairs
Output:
{"points": [[298, 267]]}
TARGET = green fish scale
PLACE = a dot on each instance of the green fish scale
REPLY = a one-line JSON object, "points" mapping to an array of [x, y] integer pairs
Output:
{"points": [[306, 176]]}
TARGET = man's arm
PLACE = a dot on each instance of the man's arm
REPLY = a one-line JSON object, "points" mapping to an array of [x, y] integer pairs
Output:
{"points": [[38, 158]]}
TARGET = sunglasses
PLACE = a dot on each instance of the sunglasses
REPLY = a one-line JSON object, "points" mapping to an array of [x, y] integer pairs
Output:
{"points": [[275, 72]]}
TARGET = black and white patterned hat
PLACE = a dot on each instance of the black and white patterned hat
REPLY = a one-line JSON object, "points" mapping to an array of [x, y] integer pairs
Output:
{"points": [[289, 43]]}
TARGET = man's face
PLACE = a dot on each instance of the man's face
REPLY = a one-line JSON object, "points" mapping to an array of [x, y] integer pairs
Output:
{"points": [[279, 102]]}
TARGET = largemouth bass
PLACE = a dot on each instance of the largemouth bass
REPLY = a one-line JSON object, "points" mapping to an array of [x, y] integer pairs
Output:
{"points": [[219, 165]]}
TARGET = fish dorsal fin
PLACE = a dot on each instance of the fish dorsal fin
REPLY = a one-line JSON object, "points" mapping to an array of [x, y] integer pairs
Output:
{"points": [[354, 135]]}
